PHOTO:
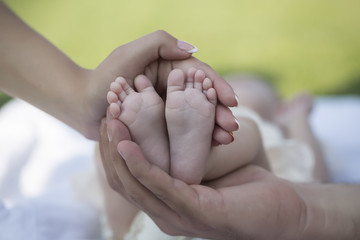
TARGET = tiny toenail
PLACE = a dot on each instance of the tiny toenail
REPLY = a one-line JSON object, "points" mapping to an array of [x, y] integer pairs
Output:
{"points": [[187, 47]]}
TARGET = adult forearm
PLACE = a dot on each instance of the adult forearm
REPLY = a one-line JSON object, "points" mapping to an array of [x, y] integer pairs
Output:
{"points": [[333, 211], [33, 69]]}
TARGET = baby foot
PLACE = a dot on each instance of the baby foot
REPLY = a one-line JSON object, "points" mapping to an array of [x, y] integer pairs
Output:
{"points": [[142, 111], [296, 110], [190, 118]]}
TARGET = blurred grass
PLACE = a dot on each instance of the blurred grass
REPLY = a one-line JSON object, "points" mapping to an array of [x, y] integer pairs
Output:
{"points": [[301, 44]]}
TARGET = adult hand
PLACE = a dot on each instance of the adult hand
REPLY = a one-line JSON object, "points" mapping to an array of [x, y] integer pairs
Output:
{"points": [[249, 203], [153, 55], [39, 73], [233, 207]]}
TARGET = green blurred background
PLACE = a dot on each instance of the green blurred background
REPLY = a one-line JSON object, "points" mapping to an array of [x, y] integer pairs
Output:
{"points": [[299, 44]]}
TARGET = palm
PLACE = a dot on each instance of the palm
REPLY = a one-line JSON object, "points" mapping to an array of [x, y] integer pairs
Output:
{"points": [[252, 194], [262, 199], [250, 203]]}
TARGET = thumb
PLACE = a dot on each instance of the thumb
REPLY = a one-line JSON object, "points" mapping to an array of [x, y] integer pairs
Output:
{"points": [[153, 46]]}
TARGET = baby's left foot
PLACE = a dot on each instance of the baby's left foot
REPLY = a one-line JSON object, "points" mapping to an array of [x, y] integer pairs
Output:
{"points": [[294, 112], [190, 118]]}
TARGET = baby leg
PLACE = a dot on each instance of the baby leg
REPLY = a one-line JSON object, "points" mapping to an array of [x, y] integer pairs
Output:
{"points": [[293, 118], [142, 111], [190, 118], [247, 148]]}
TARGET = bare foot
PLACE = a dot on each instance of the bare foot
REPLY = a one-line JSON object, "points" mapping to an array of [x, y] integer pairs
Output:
{"points": [[297, 109], [190, 117], [142, 111]]}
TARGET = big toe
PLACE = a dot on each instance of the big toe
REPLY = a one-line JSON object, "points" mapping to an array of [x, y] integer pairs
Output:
{"points": [[142, 83], [176, 80]]}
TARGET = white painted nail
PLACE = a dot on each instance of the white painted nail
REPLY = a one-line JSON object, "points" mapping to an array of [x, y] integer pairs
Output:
{"points": [[237, 100], [187, 47], [109, 133], [122, 155], [237, 122]]}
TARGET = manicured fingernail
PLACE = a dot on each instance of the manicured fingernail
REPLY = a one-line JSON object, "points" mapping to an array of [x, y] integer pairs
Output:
{"points": [[232, 135], [121, 154], [237, 100], [238, 124], [187, 47], [109, 133], [108, 117]]}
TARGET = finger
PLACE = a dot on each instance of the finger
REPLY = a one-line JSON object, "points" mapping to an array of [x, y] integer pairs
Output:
{"points": [[136, 192], [215, 143], [130, 60], [121, 180], [153, 46], [106, 157], [225, 92], [241, 176], [157, 181], [225, 119], [220, 136], [190, 205]]}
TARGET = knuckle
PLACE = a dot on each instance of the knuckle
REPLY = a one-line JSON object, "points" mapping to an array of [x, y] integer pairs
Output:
{"points": [[114, 185], [161, 35], [171, 230], [135, 197]]}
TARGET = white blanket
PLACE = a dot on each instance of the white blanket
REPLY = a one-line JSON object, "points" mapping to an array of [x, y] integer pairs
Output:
{"points": [[336, 123], [40, 157]]}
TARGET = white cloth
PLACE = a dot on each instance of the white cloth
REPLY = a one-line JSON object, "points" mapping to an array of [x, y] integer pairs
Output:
{"points": [[289, 159], [39, 158], [143, 228], [336, 123]]}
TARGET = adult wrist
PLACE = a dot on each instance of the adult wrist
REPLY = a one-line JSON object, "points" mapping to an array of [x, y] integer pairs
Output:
{"points": [[90, 99]]}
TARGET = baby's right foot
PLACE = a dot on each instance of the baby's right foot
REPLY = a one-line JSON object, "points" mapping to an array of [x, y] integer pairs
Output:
{"points": [[143, 113], [190, 117]]}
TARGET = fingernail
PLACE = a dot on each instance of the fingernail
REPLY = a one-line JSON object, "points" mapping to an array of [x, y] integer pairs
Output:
{"points": [[187, 47], [109, 133], [232, 135], [108, 117], [121, 154], [237, 100], [238, 124]]}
